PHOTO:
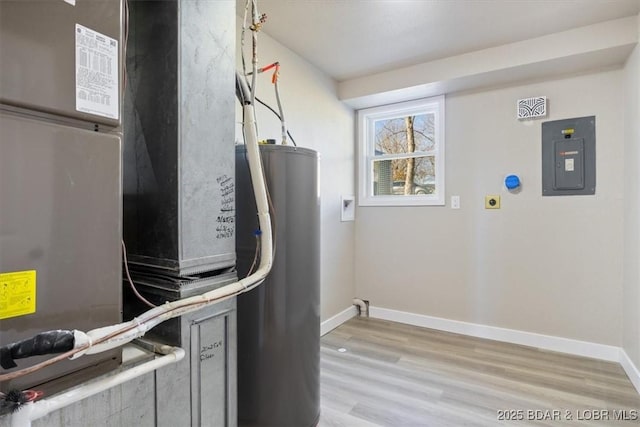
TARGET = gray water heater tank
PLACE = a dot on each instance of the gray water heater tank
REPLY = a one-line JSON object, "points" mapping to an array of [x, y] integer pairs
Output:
{"points": [[279, 322]]}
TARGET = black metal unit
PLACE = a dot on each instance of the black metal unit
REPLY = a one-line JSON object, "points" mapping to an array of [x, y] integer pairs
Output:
{"points": [[179, 133], [279, 322]]}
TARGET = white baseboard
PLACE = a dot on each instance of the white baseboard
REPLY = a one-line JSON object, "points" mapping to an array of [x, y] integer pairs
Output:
{"points": [[632, 371], [337, 320], [546, 342]]}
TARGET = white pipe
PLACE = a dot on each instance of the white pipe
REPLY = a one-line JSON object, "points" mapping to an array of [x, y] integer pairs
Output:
{"points": [[32, 411], [254, 49], [363, 307]]}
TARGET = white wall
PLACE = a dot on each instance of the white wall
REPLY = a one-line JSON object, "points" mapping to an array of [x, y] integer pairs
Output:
{"points": [[549, 265], [316, 120], [631, 290]]}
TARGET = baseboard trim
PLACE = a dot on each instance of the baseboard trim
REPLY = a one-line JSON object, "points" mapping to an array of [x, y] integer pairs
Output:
{"points": [[546, 342], [630, 368], [337, 320]]}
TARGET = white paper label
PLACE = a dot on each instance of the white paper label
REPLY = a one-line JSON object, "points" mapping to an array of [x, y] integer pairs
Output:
{"points": [[96, 73], [568, 165], [71, 2]]}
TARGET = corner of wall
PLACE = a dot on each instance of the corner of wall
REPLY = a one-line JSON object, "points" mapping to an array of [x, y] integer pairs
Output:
{"points": [[631, 277]]}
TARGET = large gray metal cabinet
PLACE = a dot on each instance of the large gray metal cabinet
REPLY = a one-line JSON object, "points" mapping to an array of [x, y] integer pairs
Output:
{"points": [[179, 135], [60, 175]]}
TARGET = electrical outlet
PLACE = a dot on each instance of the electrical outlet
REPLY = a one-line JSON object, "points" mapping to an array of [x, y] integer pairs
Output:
{"points": [[455, 202], [492, 202]]}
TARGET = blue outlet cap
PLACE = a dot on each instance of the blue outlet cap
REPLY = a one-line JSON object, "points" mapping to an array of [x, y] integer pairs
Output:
{"points": [[512, 182]]}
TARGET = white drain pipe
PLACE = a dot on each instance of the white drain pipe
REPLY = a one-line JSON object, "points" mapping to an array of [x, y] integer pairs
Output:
{"points": [[34, 410], [363, 307]]}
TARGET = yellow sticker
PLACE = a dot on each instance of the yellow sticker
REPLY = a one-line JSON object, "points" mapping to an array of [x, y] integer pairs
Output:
{"points": [[17, 293]]}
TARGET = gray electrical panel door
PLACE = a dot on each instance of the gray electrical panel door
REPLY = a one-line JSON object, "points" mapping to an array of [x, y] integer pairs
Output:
{"points": [[569, 157]]}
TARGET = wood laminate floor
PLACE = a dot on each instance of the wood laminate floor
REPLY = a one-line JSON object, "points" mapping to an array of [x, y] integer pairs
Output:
{"points": [[380, 373]]}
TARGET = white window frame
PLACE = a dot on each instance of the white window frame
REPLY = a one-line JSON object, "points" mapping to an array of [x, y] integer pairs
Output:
{"points": [[366, 152]]}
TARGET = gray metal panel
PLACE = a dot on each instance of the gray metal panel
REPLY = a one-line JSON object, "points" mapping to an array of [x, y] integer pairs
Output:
{"points": [[126, 405], [179, 133], [201, 389], [37, 52], [193, 392], [207, 131], [279, 322], [60, 214], [210, 371], [569, 158]]}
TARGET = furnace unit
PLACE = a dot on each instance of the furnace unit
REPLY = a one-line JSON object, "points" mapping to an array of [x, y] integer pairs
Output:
{"points": [[60, 178]]}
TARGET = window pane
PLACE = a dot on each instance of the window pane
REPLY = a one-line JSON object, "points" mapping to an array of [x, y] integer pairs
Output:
{"points": [[405, 134], [390, 177]]}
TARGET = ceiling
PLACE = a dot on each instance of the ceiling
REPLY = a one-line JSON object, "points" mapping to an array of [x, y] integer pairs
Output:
{"points": [[355, 38]]}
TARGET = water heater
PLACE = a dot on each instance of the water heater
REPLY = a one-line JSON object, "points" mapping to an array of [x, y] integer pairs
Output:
{"points": [[279, 321]]}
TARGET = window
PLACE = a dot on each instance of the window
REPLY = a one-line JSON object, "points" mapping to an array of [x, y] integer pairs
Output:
{"points": [[401, 149]]}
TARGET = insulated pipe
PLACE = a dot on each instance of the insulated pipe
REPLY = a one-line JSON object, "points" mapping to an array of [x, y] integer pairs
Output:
{"points": [[254, 48], [32, 411], [283, 125]]}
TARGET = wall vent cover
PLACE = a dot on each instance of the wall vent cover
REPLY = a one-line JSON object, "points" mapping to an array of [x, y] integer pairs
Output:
{"points": [[530, 108]]}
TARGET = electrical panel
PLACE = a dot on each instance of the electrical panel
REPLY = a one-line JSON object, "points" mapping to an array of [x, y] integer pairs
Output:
{"points": [[569, 157]]}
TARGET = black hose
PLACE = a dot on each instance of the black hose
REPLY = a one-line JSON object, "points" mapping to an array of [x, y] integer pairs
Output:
{"points": [[278, 116], [50, 342]]}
